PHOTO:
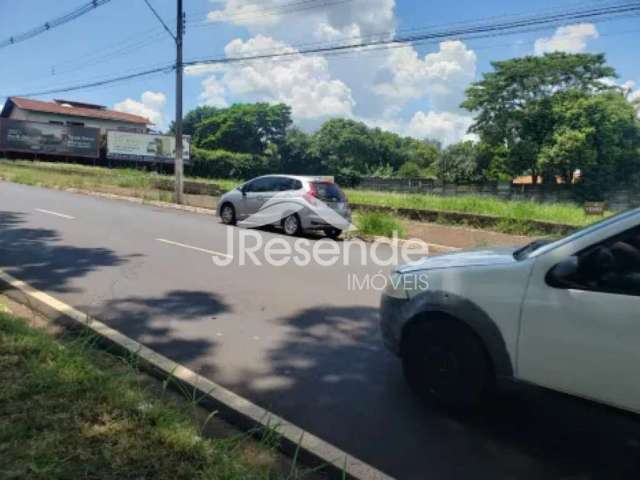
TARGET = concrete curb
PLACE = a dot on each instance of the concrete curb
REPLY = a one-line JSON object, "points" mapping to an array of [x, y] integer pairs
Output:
{"points": [[232, 407]]}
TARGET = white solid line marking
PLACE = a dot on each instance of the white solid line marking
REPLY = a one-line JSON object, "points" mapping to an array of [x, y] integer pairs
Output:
{"points": [[197, 249], [61, 215]]}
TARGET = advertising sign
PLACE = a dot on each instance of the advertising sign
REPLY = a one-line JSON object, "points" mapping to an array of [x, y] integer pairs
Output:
{"points": [[145, 147], [47, 138]]}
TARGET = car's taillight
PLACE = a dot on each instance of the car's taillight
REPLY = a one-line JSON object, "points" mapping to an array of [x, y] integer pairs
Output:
{"points": [[312, 194]]}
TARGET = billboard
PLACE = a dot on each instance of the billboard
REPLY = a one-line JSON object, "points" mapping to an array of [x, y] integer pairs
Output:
{"points": [[145, 147], [48, 138]]}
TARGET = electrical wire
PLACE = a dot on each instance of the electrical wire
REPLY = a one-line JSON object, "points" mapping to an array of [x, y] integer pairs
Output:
{"points": [[488, 30], [159, 18], [56, 22], [523, 24], [151, 36]]}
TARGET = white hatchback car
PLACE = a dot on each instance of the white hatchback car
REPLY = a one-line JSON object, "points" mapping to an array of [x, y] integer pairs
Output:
{"points": [[563, 315]]}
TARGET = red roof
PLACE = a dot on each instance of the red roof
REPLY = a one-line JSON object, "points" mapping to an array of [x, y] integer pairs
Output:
{"points": [[60, 109]]}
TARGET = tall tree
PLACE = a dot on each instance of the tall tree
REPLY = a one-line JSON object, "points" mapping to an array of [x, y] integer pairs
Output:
{"points": [[245, 128], [514, 103], [192, 119], [459, 163], [598, 135]]}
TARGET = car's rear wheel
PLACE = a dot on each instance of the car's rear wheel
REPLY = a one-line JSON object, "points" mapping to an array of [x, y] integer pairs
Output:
{"points": [[228, 214], [445, 362], [333, 233], [291, 224]]}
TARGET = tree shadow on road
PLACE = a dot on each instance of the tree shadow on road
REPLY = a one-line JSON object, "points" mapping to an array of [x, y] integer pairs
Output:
{"points": [[170, 324], [339, 383], [35, 255]]}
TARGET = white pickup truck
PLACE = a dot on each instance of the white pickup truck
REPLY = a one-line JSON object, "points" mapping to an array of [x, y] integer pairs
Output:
{"points": [[563, 315]]}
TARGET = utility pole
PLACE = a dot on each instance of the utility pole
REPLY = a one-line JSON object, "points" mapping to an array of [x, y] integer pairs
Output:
{"points": [[179, 168]]}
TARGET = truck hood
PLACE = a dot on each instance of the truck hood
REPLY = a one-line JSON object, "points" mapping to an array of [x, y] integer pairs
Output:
{"points": [[472, 258]]}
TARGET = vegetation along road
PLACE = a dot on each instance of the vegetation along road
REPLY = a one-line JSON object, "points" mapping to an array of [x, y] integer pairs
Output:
{"points": [[292, 339]]}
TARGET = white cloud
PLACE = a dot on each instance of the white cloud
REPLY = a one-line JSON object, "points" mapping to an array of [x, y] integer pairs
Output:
{"points": [[196, 70], [302, 82], [570, 39], [441, 76], [151, 106], [214, 92], [395, 89], [328, 22], [446, 127]]}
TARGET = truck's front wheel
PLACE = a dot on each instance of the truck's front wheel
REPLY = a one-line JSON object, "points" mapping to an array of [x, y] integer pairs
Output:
{"points": [[446, 363]]}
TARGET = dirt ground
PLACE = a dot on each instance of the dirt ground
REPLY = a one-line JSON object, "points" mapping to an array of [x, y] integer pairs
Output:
{"points": [[461, 237]]}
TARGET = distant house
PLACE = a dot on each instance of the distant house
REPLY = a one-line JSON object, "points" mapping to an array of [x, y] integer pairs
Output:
{"points": [[67, 112], [528, 179]]}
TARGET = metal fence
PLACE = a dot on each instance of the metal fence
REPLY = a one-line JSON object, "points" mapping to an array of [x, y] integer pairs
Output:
{"points": [[618, 200]]}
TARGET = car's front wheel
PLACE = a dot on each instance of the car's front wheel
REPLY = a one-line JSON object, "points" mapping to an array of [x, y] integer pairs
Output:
{"points": [[291, 224], [445, 362], [228, 214]]}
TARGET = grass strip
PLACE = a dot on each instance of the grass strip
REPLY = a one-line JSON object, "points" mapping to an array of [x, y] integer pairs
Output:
{"points": [[69, 410], [514, 213]]}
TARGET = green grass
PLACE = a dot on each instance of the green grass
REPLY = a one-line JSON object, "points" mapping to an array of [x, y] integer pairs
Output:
{"points": [[67, 175], [512, 211], [515, 215], [382, 224], [69, 410]]}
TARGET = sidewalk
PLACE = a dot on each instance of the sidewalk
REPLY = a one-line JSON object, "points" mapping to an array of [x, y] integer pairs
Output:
{"points": [[461, 237]]}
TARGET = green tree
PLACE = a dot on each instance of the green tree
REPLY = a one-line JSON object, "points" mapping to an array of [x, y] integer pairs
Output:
{"points": [[298, 153], [347, 145], [598, 135], [459, 163], [192, 120], [514, 103], [245, 128], [409, 170]]}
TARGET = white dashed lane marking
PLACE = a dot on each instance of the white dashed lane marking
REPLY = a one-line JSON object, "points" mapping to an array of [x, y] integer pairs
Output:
{"points": [[191, 247], [55, 214]]}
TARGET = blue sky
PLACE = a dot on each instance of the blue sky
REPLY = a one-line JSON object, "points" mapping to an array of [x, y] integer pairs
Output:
{"points": [[411, 90]]}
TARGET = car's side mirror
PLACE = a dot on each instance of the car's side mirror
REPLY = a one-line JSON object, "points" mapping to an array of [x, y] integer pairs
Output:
{"points": [[563, 274], [243, 190]]}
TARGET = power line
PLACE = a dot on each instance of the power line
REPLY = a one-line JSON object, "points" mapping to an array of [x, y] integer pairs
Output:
{"points": [[497, 29], [150, 37], [157, 15], [145, 73], [487, 30], [56, 22]]}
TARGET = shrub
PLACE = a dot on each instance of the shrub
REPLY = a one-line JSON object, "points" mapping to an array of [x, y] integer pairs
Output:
{"points": [[222, 163], [376, 223]]}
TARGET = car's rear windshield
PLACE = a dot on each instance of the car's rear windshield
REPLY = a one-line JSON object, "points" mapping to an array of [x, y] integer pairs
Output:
{"points": [[329, 192]]}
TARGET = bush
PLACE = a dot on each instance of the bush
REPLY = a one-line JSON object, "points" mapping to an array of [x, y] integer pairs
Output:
{"points": [[222, 164], [376, 223], [348, 177]]}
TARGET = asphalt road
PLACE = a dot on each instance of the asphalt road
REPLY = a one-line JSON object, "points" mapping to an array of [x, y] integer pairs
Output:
{"points": [[295, 340]]}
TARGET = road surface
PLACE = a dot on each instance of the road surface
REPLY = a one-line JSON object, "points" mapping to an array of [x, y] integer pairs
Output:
{"points": [[293, 339]]}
